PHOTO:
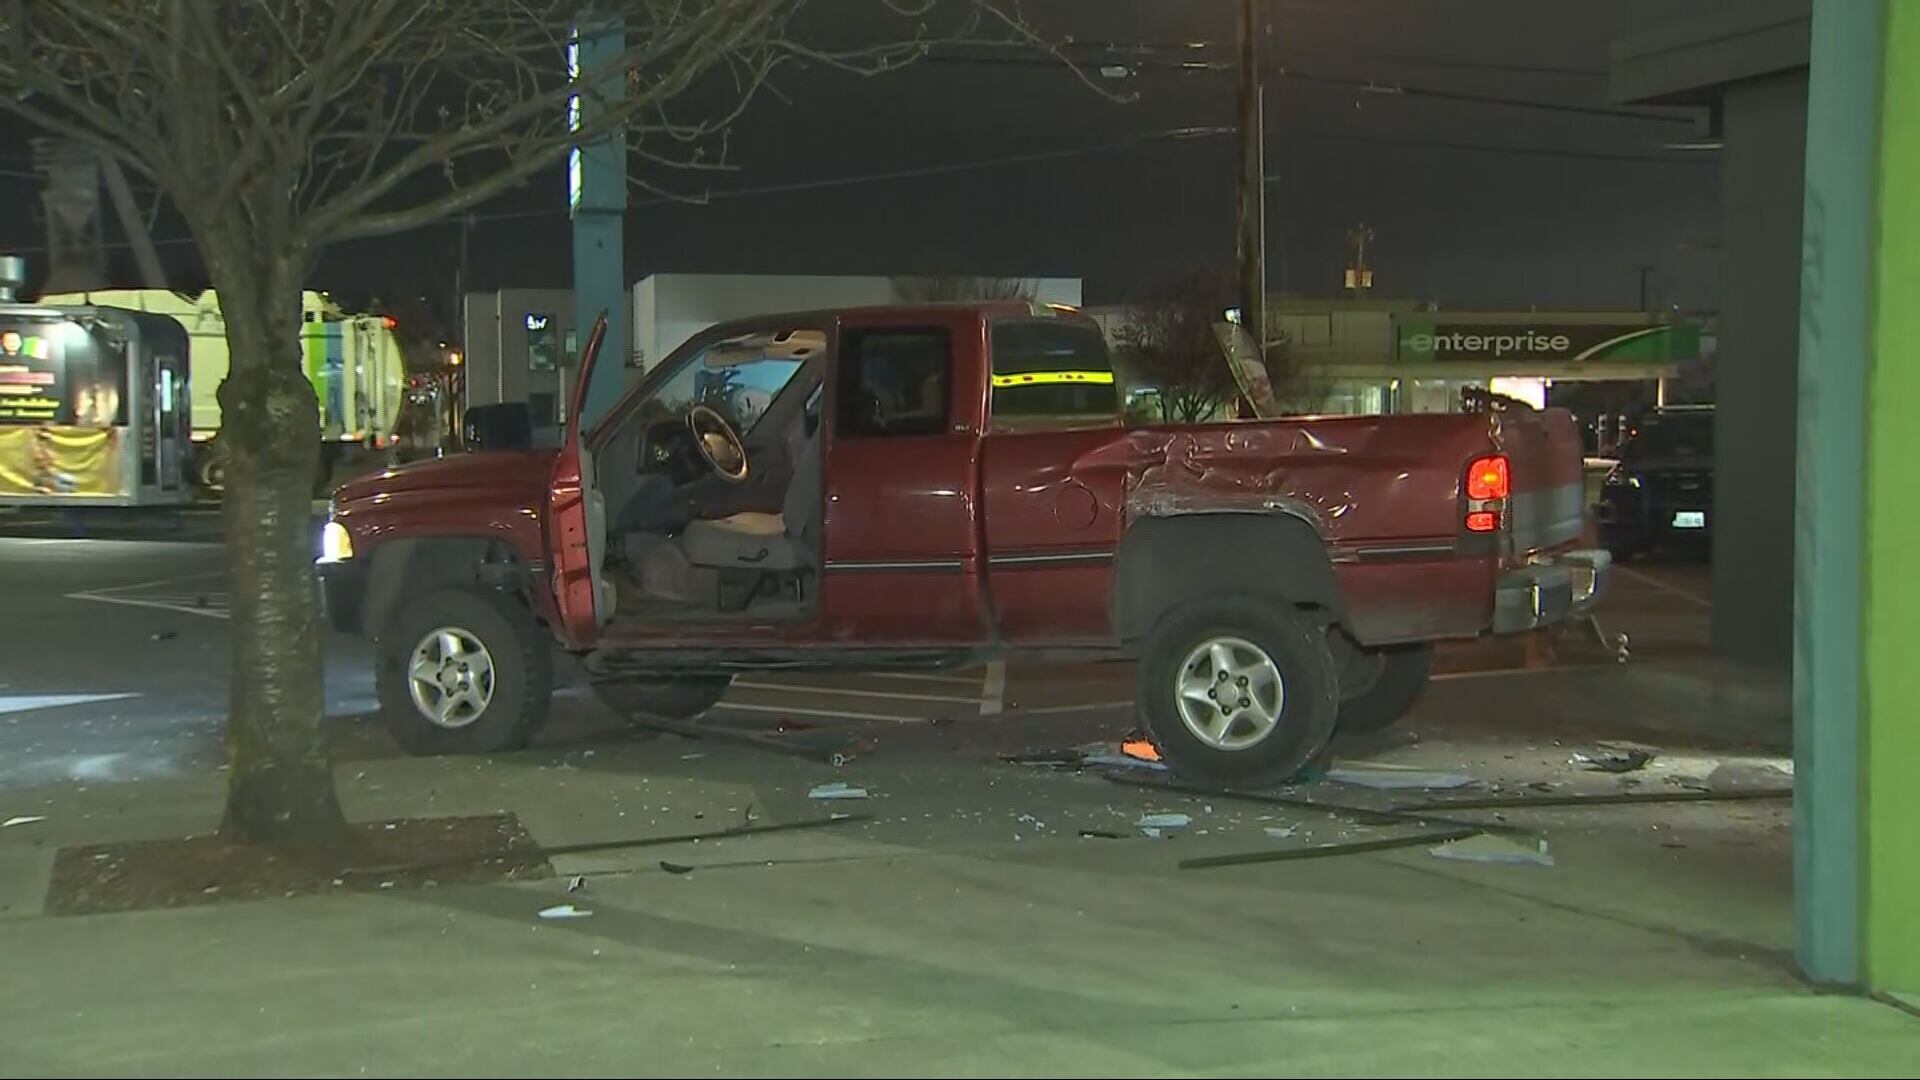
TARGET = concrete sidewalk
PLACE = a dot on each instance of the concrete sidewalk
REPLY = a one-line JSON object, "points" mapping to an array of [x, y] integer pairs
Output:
{"points": [[967, 929]]}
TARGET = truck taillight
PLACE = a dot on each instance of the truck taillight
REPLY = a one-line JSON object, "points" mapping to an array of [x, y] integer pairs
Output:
{"points": [[1489, 484], [1488, 478]]}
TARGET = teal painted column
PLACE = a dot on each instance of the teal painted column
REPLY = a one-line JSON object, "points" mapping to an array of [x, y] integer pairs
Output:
{"points": [[1843, 95], [597, 201]]}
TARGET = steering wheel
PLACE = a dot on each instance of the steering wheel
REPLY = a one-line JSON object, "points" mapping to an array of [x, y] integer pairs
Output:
{"points": [[720, 445]]}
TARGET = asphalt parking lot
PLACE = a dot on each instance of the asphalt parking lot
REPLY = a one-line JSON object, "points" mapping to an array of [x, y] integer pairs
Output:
{"points": [[119, 664]]}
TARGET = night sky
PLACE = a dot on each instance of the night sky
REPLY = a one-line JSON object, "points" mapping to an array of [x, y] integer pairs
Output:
{"points": [[1566, 224]]}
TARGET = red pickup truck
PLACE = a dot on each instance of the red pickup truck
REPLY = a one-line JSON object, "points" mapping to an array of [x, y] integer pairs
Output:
{"points": [[931, 486]]}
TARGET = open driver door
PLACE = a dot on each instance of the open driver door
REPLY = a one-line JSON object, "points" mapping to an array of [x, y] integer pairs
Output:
{"points": [[577, 511]]}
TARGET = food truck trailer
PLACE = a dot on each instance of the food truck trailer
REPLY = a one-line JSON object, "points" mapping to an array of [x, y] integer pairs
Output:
{"points": [[94, 407]]}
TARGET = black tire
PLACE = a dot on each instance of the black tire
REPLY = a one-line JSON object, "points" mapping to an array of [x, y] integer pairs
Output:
{"points": [[210, 467], [670, 697], [522, 666], [1297, 647], [1379, 686]]}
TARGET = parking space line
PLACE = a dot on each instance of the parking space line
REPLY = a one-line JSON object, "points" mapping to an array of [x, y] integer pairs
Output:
{"points": [[159, 582], [158, 605], [994, 690], [1448, 676], [1088, 706], [15, 703], [903, 676], [804, 688], [838, 714], [1663, 586]]}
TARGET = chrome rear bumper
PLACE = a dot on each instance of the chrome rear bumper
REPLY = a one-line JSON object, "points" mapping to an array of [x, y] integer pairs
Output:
{"points": [[1550, 591]]}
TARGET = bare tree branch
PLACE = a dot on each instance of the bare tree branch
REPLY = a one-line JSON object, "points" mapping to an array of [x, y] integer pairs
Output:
{"points": [[1168, 343], [278, 126]]}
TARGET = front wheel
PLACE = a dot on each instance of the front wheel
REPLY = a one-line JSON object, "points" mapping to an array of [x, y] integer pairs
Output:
{"points": [[1237, 691], [464, 672]]}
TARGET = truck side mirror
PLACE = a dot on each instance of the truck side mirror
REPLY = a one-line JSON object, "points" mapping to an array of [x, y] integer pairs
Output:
{"points": [[506, 426]]}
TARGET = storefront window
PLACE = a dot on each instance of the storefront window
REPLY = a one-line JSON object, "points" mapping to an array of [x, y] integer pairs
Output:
{"points": [[1353, 397]]}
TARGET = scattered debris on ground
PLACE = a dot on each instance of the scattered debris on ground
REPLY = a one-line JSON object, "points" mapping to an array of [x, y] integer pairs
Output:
{"points": [[1598, 799], [1120, 759], [788, 736], [1391, 778], [1164, 821], [577, 883], [179, 872], [1282, 832], [1321, 851], [1733, 776], [26, 819], [675, 868], [838, 789], [1614, 757], [564, 911], [1500, 850], [1091, 755]]}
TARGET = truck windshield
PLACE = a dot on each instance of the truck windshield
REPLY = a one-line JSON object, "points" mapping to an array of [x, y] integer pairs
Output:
{"points": [[1052, 373], [738, 376]]}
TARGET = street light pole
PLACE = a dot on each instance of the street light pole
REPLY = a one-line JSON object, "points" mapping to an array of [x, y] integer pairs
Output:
{"points": [[1253, 180]]}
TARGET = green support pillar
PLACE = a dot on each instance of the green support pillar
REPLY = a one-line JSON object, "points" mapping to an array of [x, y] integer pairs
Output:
{"points": [[1857, 597], [1890, 801], [597, 201]]}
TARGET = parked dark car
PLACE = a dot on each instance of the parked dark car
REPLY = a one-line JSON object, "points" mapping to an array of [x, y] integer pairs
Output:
{"points": [[1660, 496]]}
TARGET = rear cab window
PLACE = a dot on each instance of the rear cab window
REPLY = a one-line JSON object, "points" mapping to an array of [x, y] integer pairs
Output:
{"points": [[1052, 374], [895, 381]]}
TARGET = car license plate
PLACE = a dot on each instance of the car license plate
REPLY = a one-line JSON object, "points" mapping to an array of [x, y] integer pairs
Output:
{"points": [[1690, 519]]}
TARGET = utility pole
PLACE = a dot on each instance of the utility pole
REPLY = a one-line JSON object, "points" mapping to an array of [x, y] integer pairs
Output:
{"points": [[131, 223], [1646, 273], [460, 279], [1253, 178], [597, 203]]}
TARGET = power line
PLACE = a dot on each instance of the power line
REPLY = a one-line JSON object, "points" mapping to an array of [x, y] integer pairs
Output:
{"points": [[1199, 49], [1083, 150], [1372, 86], [1495, 148], [1165, 137], [1401, 90]]}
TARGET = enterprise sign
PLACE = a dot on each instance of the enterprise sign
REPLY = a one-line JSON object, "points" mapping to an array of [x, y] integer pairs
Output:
{"points": [[1549, 343]]}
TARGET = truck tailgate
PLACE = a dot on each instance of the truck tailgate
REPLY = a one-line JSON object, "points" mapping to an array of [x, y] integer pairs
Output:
{"points": [[1549, 488]]}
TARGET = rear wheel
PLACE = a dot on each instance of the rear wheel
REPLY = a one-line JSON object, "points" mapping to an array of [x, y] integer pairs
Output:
{"points": [[464, 672], [1238, 691], [671, 697], [210, 467], [1379, 686]]}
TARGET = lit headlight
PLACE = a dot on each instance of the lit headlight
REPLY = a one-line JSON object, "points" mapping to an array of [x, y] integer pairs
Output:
{"points": [[335, 543]]}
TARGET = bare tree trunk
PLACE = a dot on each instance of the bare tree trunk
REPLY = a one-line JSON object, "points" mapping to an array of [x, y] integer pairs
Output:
{"points": [[280, 787]]}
